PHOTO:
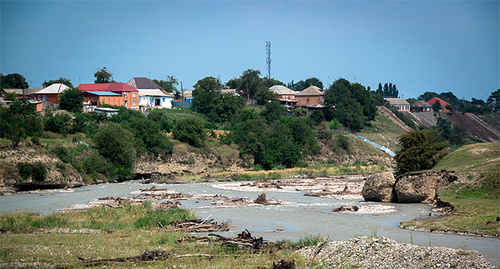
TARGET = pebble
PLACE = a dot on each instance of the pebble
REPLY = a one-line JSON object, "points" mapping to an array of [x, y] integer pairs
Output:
{"points": [[366, 252]]}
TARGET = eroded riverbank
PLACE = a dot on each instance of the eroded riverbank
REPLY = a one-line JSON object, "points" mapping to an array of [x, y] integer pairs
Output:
{"points": [[307, 215]]}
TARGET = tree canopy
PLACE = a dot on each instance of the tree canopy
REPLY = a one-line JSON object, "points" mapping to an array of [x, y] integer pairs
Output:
{"points": [[13, 81], [62, 80], [169, 85], [389, 90], [103, 76], [350, 103], [71, 100], [420, 150], [302, 85], [209, 100]]}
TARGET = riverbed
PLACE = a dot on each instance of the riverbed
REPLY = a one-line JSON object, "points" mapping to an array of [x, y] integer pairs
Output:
{"points": [[303, 216]]}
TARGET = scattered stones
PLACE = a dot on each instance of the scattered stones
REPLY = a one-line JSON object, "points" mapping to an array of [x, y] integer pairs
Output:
{"points": [[365, 252]]}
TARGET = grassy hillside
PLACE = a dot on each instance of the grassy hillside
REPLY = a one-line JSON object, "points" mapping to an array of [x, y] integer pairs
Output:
{"points": [[383, 132], [475, 196]]}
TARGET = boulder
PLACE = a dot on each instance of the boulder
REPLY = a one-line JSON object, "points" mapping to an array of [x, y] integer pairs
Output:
{"points": [[421, 187], [346, 208], [379, 187]]}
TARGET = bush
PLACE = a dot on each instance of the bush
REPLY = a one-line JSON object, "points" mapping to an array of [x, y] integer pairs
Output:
{"points": [[62, 153], [36, 171], [115, 144], [190, 130], [420, 150]]}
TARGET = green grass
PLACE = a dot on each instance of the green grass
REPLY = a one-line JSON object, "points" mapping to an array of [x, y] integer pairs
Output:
{"points": [[129, 217], [476, 200], [118, 233], [383, 132]]}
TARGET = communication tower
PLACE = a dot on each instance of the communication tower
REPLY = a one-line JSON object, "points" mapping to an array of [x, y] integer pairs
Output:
{"points": [[268, 59]]}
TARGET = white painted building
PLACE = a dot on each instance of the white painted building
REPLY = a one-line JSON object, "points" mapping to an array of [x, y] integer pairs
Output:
{"points": [[154, 98]]}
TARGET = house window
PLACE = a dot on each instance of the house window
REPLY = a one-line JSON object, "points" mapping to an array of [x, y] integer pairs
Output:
{"points": [[134, 103], [44, 98], [125, 94], [134, 94], [39, 98]]}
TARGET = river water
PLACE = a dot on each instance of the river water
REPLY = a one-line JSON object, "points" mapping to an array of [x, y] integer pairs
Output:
{"points": [[306, 216]]}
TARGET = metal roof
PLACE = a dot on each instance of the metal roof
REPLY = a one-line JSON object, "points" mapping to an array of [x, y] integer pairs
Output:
{"points": [[55, 88], [104, 93]]}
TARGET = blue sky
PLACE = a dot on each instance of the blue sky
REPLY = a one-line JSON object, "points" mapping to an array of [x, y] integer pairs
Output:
{"points": [[418, 45]]}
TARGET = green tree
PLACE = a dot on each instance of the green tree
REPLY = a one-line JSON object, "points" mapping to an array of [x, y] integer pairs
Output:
{"points": [[169, 85], [71, 100], [273, 111], [351, 104], [149, 137], [62, 80], [60, 123], [11, 96], [210, 101], [13, 81], [248, 83], [190, 130], [264, 94], [437, 106], [115, 143], [103, 76], [494, 99], [420, 150], [427, 96]]}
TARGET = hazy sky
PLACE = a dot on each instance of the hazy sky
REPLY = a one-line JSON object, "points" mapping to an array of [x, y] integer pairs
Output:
{"points": [[417, 45]]}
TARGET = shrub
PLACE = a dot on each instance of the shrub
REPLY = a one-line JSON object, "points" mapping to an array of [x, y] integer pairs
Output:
{"points": [[62, 153], [36, 171], [420, 150], [190, 130]]}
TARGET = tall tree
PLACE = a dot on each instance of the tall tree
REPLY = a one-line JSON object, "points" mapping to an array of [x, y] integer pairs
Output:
{"points": [[71, 100], [103, 76], [169, 85], [13, 81], [426, 96], [420, 150], [351, 104], [62, 80]]}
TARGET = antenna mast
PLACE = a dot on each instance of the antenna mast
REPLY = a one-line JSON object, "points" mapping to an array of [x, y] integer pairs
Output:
{"points": [[268, 60]]}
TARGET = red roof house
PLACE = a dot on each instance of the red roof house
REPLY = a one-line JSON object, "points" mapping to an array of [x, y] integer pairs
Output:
{"points": [[129, 96], [443, 104]]}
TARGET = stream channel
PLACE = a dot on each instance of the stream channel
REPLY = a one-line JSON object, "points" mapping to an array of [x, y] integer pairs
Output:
{"points": [[307, 216]]}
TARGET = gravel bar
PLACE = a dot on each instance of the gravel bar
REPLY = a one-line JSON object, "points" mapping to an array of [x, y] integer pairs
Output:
{"points": [[365, 252]]}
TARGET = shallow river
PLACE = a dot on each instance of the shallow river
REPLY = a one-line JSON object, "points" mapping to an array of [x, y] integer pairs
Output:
{"points": [[308, 216]]}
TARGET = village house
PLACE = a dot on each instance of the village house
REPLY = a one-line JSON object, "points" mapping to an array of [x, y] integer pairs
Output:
{"points": [[285, 95], [312, 98], [151, 95], [128, 96], [442, 102], [50, 94], [399, 103], [421, 106], [20, 93]]}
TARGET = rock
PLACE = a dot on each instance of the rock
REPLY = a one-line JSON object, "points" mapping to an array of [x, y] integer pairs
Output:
{"points": [[346, 208], [421, 187], [379, 187], [261, 199]]}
